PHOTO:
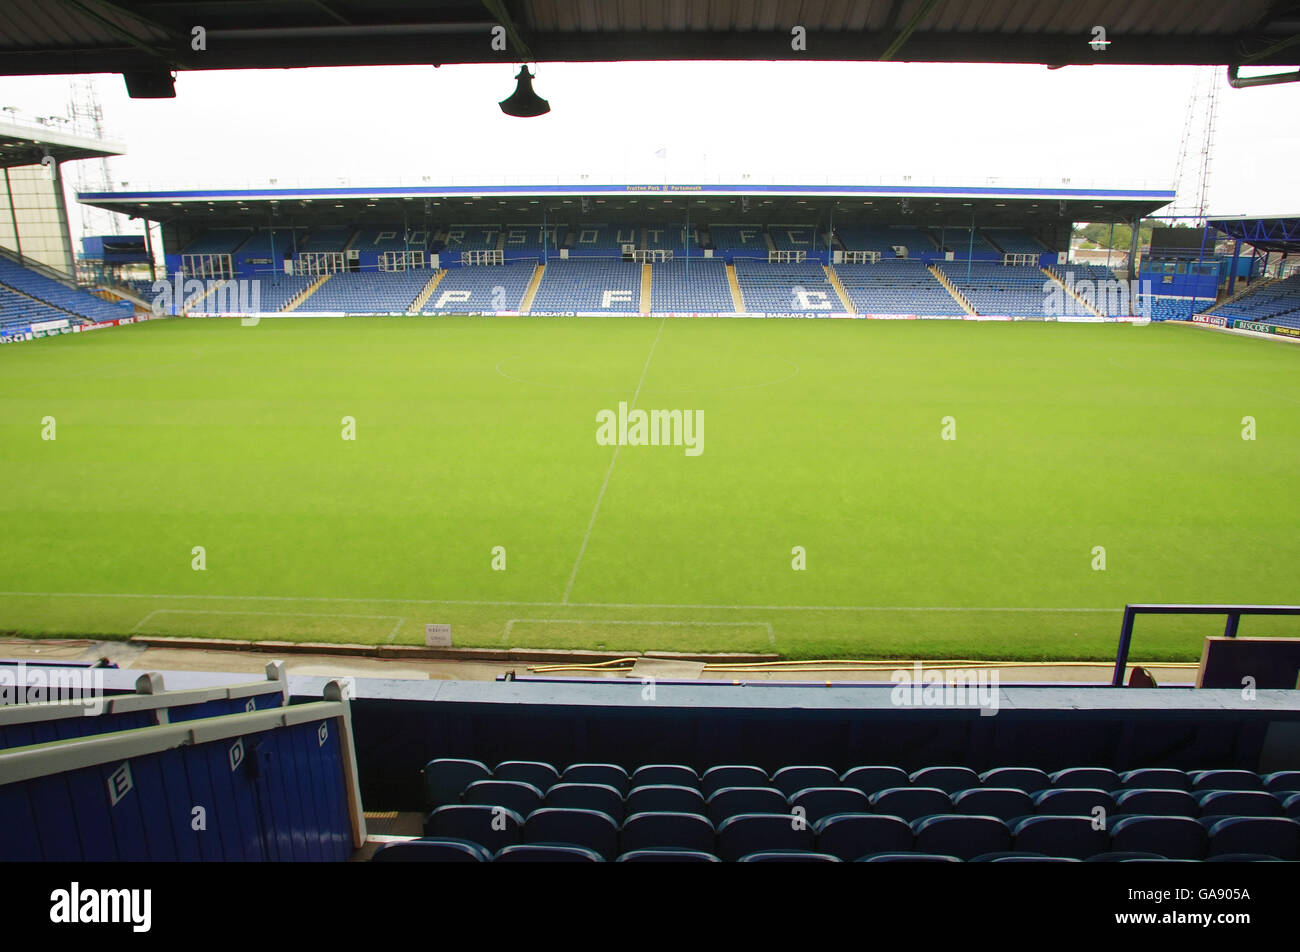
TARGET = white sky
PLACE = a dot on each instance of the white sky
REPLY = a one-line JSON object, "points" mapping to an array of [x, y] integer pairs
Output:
{"points": [[796, 123]]}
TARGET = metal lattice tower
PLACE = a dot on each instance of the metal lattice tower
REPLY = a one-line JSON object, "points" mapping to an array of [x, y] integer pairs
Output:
{"points": [[1195, 151], [92, 174]]}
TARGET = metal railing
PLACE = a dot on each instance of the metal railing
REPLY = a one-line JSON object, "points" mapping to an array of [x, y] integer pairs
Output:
{"points": [[1233, 613]]}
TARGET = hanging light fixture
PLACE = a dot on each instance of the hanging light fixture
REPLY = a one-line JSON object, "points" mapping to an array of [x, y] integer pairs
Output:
{"points": [[523, 103]]}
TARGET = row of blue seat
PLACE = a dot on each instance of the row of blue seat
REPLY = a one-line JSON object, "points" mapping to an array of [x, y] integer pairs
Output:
{"points": [[850, 836], [445, 778]]}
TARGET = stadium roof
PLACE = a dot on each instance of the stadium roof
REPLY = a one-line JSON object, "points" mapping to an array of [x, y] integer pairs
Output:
{"points": [[81, 36], [662, 202], [1271, 233], [23, 143]]}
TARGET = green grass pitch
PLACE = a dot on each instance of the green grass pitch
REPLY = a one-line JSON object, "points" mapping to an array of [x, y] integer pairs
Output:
{"points": [[474, 433]]}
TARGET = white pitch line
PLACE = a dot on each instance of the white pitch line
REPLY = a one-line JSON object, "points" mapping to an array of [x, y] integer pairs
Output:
{"points": [[510, 624], [213, 611], [393, 634], [573, 576], [504, 604]]}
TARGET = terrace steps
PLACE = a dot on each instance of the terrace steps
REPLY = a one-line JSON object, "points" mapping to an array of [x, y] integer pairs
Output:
{"points": [[647, 278], [1073, 293], [952, 289], [1248, 289], [737, 299], [72, 315], [212, 287], [305, 293], [839, 289], [426, 292], [526, 304]]}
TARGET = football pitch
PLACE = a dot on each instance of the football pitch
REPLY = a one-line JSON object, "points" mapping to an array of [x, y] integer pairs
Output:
{"points": [[848, 489]]}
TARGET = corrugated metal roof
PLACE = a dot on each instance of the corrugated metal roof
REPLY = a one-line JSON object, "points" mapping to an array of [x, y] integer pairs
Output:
{"points": [[55, 36]]}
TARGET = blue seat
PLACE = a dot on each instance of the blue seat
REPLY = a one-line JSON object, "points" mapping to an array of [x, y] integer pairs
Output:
{"points": [[732, 775], [586, 796], [1028, 779], [1239, 803], [788, 856], [874, 779], [611, 775], [516, 795], [994, 857], [1016, 857], [431, 849], [819, 802], [446, 777], [1291, 805], [680, 831], [1072, 801], [790, 780], [1282, 781], [962, 836], [1156, 778], [668, 856], [1124, 857], [657, 774], [1091, 778], [1157, 802], [540, 775], [911, 803], [1175, 837], [589, 829], [490, 826], [1243, 858], [1005, 803], [546, 853], [732, 801], [1059, 836], [948, 779], [756, 832], [1270, 835], [851, 835], [1226, 780], [907, 858], [665, 798]]}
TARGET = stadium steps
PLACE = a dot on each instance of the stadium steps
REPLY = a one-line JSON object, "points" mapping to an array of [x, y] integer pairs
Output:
{"points": [[771, 245], [427, 293], [647, 279], [1070, 291], [737, 298], [839, 289], [305, 293], [211, 287], [526, 304], [952, 289]]}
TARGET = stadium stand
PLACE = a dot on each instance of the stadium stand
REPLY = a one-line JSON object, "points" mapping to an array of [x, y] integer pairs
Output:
{"points": [[796, 238], [528, 238], [479, 288], [671, 237], [917, 241], [217, 241], [998, 289], [603, 285], [896, 286], [367, 292], [602, 239], [1109, 303], [786, 288], [734, 812], [706, 292], [1275, 303], [277, 290], [326, 239], [65, 302], [743, 241], [1015, 241]]}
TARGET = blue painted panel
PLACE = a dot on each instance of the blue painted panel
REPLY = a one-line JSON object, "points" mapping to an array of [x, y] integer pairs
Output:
{"points": [[127, 817], [180, 801], [308, 783], [18, 840], [156, 808], [94, 821], [244, 790], [223, 817], [336, 820], [56, 820], [293, 837]]}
